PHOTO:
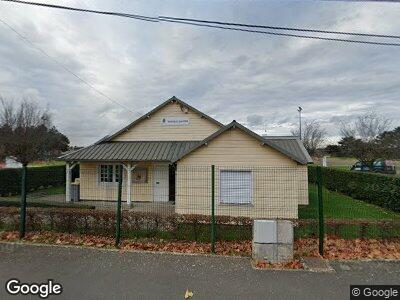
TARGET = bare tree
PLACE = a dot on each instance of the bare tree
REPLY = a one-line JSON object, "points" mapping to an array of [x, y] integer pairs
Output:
{"points": [[365, 127], [361, 137], [313, 136], [27, 133]]}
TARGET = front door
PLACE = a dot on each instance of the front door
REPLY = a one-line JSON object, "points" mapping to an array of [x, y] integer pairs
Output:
{"points": [[160, 183]]}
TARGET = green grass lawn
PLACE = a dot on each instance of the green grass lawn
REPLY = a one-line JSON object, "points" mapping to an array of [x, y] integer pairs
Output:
{"points": [[341, 207], [50, 191], [42, 198], [39, 193], [46, 163], [347, 218], [44, 204]]}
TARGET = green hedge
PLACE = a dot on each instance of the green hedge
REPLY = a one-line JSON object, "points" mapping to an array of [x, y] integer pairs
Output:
{"points": [[373, 188], [133, 224], [45, 204], [10, 179]]}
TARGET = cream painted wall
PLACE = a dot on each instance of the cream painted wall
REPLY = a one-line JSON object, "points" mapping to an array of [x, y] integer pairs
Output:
{"points": [[92, 189], [151, 129], [279, 183], [238, 148]]}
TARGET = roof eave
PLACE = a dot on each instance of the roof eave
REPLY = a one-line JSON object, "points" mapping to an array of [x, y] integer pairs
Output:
{"points": [[117, 160], [234, 124]]}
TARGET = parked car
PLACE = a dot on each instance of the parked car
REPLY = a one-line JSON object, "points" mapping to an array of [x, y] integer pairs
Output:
{"points": [[384, 166], [360, 166], [378, 166]]}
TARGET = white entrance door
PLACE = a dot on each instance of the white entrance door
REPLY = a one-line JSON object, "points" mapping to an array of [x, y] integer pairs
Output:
{"points": [[160, 183]]}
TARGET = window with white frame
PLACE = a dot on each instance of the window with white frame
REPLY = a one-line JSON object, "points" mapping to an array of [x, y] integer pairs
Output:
{"points": [[109, 173], [235, 186]]}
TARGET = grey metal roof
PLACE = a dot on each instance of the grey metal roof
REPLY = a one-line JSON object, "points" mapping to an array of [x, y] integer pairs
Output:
{"points": [[132, 151], [292, 145], [289, 146]]}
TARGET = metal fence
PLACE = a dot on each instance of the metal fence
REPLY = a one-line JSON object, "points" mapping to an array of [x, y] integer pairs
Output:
{"points": [[331, 215], [203, 203]]}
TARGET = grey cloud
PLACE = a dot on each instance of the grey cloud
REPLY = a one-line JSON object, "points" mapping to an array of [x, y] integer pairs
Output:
{"points": [[255, 120], [255, 79]]}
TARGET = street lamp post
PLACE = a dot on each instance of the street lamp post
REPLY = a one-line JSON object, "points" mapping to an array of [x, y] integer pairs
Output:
{"points": [[299, 110]]}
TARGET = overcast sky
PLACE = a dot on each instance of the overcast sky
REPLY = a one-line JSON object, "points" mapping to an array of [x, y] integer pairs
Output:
{"points": [[255, 79]]}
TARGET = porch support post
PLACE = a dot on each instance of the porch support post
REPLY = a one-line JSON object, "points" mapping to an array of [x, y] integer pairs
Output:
{"points": [[68, 174], [129, 168]]}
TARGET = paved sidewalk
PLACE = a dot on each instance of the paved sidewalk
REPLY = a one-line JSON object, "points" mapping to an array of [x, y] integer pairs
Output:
{"points": [[102, 274]]}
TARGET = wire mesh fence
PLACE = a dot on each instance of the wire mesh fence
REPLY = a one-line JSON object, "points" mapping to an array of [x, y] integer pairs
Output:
{"points": [[345, 217], [201, 203]]}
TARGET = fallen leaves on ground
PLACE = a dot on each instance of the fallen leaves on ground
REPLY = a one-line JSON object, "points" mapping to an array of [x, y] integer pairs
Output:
{"points": [[291, 265], [147, 244], [221, 248], [188, 294], [336, 248]]}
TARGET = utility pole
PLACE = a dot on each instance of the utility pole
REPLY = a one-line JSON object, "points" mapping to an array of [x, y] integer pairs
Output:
{"points": [[299, 110]]}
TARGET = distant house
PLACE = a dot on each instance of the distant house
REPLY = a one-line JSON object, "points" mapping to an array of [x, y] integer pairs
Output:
{"points": [[10, 163], [166, 157]]}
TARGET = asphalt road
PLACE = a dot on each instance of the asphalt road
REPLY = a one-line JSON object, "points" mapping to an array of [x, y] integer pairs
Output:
{"points": [[102, 274]]}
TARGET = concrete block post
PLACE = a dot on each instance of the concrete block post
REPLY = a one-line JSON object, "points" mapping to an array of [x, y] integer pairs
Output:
{"points": [[273, 240]]}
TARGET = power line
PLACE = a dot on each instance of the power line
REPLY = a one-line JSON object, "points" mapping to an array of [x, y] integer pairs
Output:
{"points": [[31, 44], [283, 28], [139, 17], [224, 25], [165, 18], [289, 34]]}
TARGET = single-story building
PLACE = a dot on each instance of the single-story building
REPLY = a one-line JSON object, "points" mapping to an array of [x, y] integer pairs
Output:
{"points": [[10, 162], [167, 154]]}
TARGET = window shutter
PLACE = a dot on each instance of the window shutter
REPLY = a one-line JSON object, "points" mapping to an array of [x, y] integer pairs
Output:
{"points": [[235, 187]]}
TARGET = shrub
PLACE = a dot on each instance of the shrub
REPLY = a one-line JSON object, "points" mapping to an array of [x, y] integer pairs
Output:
{"points": [[133, 224], [38, 177], [349, 229], [373, 188]]}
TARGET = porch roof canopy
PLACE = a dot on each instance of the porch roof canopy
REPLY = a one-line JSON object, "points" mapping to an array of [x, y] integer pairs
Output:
{"points": [[166, 151]]}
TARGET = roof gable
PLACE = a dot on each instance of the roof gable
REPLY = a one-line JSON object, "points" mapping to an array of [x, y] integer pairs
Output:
{"points": [[157, 109], [301, 156]]}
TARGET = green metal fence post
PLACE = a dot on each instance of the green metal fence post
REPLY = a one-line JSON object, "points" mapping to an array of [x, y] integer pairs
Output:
{"points": [[22, 224], [118, 216], [213, 209], [320, 211]]}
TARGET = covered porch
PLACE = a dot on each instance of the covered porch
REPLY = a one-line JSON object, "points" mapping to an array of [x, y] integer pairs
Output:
{"points": [[142, 182], [147, 168]]}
